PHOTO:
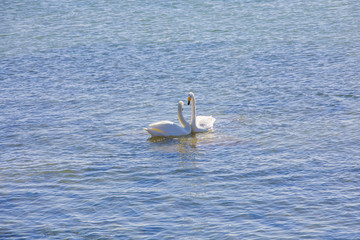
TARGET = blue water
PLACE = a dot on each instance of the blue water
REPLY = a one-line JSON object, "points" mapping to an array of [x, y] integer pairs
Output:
{"points": [[80, 79]]}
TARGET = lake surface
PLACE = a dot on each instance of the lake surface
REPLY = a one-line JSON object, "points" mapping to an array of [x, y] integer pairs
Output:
{"points": [[79, 80]]}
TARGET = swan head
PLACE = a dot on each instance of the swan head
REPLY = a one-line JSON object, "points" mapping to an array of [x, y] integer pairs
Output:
{"points": [[190, 97], [181, 105]]}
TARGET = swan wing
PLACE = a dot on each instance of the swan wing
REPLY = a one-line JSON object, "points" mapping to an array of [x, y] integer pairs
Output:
{"points": [[154, 133], [160, 123], [167, 129], [205, 122]]}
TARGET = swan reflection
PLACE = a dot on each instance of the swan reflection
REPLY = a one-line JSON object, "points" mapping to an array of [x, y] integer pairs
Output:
{"points": [[187, 146], [183, 145]]}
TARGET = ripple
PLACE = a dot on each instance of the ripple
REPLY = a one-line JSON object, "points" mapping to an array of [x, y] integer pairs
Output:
{"points": [[281, 80]]}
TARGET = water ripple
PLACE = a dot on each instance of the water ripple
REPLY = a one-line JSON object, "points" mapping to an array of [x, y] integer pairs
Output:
{"points": [[79, 81]]}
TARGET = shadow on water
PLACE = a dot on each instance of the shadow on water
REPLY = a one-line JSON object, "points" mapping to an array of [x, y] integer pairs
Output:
{"points": [[193, 145], [185, 146]]}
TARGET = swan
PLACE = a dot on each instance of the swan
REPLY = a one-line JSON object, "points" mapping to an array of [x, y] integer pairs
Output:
{"points": [[170, 129], [199, 123]]}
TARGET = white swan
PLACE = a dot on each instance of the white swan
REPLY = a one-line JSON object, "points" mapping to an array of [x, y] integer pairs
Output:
{"points": [[168, 128], [199, 123]]}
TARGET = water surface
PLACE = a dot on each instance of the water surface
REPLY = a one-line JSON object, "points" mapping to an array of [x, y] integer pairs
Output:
{"points": [[80, 79]]}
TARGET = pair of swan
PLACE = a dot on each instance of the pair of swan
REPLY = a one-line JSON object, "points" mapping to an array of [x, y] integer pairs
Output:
{"points": [[170, 129]]}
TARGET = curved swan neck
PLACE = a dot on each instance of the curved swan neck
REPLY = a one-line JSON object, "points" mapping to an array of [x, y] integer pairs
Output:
{"points": [[182, 120]]}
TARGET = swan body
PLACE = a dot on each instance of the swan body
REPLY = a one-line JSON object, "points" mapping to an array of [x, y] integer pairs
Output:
{"points": [[199, 123], [170, 129]]}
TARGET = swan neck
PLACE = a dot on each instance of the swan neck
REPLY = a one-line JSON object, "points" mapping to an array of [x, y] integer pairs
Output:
{"points": [[181, 118], [193, 112]]}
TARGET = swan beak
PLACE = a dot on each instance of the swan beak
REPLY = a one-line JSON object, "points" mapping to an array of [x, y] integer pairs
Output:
{"points": [[189, 100]]}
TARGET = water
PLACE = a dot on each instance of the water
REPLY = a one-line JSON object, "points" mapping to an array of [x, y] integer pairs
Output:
{"points": [[80, 79]]}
